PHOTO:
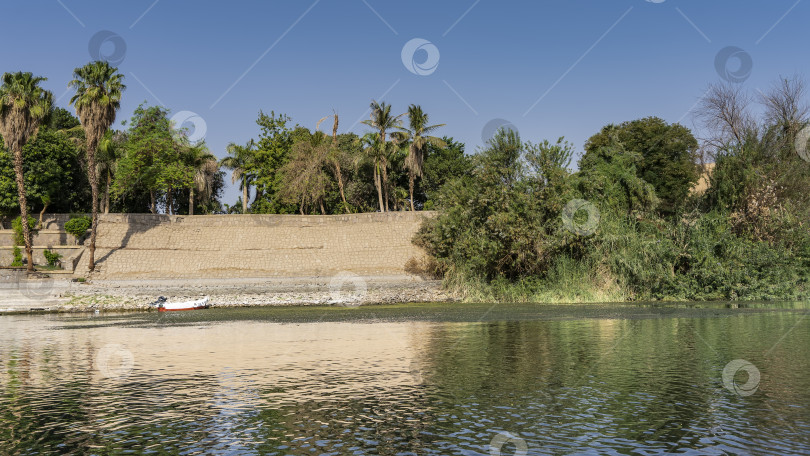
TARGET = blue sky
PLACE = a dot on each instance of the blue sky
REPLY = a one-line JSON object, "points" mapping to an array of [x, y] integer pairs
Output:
{"points": [[551, 68]]}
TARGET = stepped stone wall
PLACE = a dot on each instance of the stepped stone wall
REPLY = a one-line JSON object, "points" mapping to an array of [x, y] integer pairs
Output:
{"points": [[233, 246]]}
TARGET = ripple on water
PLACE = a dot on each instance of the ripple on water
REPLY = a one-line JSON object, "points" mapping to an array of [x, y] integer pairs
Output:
{"points": [[651, 386]]}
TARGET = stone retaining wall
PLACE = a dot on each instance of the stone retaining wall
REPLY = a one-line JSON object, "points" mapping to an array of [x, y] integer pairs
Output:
{"points": [[7, 253], [41, 238], [230, 246]]}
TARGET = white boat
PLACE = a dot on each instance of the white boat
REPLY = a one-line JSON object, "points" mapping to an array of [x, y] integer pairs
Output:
{"points": [[164, 306]]}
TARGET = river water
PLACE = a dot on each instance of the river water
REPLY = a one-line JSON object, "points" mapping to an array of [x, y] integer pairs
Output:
{"points": [[410, 380]]}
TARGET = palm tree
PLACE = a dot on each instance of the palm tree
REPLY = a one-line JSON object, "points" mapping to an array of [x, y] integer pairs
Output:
{"points": [[99, 87], [418, 135], [377, 153], [383, 121], [240, 160], [23, 107], [334, 159], [205, 167], [108, 154]]}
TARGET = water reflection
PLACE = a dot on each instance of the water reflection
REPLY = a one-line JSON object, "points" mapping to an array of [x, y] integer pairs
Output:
{"points": [[231, 385]]}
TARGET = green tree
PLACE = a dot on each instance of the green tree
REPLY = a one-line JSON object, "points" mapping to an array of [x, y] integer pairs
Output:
{"points": [[205, 168], [236, 208], [109, 152], [489, 227], [418, 137], [240, 161], [384, 123], [150, 139], [610, 175], [668, 156], [377, 153], [442, 164], [23, 107], [52, 172], [335, 157], [305, 180], [62, 119], [361, 193], [273, 150], [99, 87]]}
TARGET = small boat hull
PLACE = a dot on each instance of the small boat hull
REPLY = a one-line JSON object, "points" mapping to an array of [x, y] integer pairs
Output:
{"points": [[182, 306]]}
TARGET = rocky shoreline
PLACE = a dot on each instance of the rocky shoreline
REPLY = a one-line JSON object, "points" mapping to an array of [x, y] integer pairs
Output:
{"points": [[66, 295]]}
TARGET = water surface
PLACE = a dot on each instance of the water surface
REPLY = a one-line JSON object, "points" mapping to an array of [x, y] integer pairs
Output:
{"points": [[410, 380]]}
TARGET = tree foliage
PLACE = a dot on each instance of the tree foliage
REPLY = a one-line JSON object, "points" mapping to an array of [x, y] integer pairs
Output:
{"points": [[24, 106], [53, 171], [273, 151], [665, 156]]}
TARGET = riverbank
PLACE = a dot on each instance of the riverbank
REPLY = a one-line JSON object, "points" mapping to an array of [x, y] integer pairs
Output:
{"points": [[345, 289]]}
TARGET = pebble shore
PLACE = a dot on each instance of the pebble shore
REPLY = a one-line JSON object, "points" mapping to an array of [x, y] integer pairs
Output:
{"points": [[126, 295]]}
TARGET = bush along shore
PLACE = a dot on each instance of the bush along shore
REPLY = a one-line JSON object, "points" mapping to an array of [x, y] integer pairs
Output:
{"points": [[632, 224]]}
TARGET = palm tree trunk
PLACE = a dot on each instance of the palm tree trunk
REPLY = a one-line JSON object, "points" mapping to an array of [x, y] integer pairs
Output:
{"points": [[385, 184], [107, 193], [379, 189], [411, 187], [92, 143], [323, 211], [339, 174], [337, 163], [191, 201], [20, 179], [153, 206], [245, 191]]}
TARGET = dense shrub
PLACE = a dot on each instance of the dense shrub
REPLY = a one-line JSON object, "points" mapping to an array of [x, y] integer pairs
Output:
{"points": [[52, 257], [500, 233], [78, 226], [500, 220], [16, 224]]}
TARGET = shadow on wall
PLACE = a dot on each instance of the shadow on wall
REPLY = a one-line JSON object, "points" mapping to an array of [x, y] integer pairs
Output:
{"points": [[135, 225], [254, 245]]}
